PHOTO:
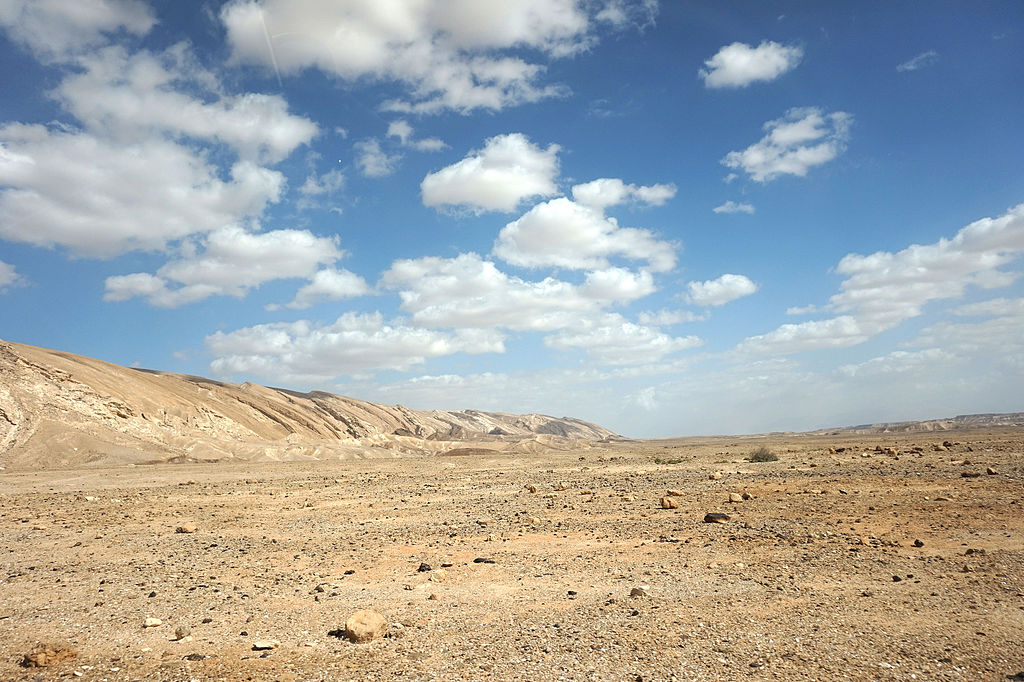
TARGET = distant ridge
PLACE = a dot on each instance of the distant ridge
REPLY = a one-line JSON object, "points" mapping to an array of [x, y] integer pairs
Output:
{"points": [[64, 410], [962, 421]]}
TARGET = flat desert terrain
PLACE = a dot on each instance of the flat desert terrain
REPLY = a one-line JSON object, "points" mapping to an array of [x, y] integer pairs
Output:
{"points": [[860, 557]]}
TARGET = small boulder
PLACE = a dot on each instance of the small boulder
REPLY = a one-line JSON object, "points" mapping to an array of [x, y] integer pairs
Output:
{"points": [[48, 654], [716, 517], [365, 626], [265, 644], [669, 503], [675, 493], [735, 497], [186, 528]]}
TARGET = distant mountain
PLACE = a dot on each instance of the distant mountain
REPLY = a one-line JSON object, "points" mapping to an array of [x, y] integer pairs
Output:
{"points": [[963, 421], [64, 410]]}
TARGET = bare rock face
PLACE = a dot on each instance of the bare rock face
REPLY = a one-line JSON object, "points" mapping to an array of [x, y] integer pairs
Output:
{"points": [[62, 410], [365, 626]]}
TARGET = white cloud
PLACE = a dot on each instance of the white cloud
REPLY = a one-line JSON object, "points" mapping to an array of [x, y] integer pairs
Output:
{"points": [[613, 340], [507, 170], [606, 192], [738, 65], [899, 362], [884, 289], [101, 198], [232, 262], [373, 161], [469, 292], [800, 140], [141, 173], [302, 352], [670, 317], [328, 285], [453, 54], [802, 310], [9, 277], [715, 292], [733, 207], [995, 307], [58, 29], [134, 97], [923, 60], [566, 234], [404, 132]]}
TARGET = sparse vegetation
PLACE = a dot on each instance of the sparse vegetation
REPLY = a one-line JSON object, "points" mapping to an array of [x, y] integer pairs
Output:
{"points": [[673, 460], [762, 454]]}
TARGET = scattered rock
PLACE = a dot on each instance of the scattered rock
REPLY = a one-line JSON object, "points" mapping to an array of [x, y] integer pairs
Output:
{"points": [[970, 474], [716, 517], [531, 487], [424, 568], [675, 493], [918, 543], [483, 560], [182, 631], [735, 497], [265, 644], [365, 626], [897, 578], [186, 528], [49, 654], [717, 476], [991, 472], [640, 591], [669, 503], [152, 623]]}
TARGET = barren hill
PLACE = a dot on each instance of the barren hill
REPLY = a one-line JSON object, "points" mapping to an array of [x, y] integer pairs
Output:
{"points": [[961, 421], [60, 410]]}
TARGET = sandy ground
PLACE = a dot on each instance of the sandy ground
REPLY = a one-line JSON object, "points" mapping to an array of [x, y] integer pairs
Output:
{"points": [[815, 577]]}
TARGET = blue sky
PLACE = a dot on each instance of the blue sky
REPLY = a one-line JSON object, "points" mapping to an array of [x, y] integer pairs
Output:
{"points": [[669, 218]]}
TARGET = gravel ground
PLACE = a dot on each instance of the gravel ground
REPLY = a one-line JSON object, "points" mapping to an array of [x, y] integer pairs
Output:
{"points": [[847, 561]]}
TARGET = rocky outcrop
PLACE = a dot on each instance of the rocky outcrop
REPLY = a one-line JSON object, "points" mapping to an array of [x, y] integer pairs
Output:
{"points": [[64, 410]]}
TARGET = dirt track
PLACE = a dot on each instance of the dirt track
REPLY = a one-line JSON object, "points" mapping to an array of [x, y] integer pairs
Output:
{"points": [[815, 577]]}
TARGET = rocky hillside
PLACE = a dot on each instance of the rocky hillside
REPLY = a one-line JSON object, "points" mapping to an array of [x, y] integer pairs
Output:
{"points": [[962, 421], [64, 410]]}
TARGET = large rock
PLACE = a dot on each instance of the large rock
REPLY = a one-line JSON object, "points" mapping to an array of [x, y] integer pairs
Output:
{"points": [[365, 626]]}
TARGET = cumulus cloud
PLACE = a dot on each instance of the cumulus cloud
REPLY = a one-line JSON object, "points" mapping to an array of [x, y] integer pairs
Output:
{"points": [[666, 318], [328, 284], [304, 352], [373, 161], [404, 132], [139, 174], [884, 289], [9, 277], [605, 192], [613, 340], [101, 198], [715, 292], [56, 30], [733, 207], [921, 61], [567, 234], [507, 170], [800, 140], [457, 54], [130, 97], [738, 65], [470, 292], [231, 263]]}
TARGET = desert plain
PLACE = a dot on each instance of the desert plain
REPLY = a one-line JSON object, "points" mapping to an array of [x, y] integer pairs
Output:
{"points": [[854, 556]]}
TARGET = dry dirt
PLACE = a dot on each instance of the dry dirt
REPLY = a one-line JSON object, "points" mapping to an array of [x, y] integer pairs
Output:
{"points": [[815, 577]]}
